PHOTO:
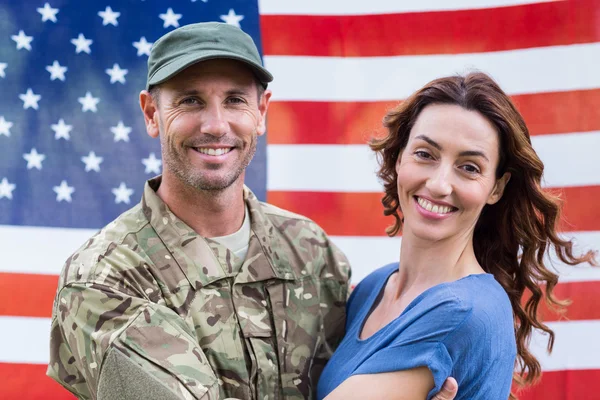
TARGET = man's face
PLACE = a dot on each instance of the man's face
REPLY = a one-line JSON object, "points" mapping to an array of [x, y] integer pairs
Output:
{"points": [[208, 118]]}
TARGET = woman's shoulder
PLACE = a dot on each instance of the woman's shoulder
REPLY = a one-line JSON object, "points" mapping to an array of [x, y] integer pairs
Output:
{"points": [[460, 306], [482, 294], [486, 311]]}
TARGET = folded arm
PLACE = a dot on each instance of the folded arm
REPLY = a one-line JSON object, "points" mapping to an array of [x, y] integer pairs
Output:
{"points": [[412, 384], [109, 344]]}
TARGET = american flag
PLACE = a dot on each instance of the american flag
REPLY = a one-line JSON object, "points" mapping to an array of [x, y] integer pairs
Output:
{"points": [[74, 153]]}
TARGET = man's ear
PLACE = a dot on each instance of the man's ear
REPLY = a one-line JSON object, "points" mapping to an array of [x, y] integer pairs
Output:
{"points": [[263, 107], [149, 108], [499, 188]]}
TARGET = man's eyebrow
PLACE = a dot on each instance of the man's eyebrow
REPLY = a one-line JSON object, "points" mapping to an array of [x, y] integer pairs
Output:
{"points": [[237, 91], [466, 153], [187, 92]]}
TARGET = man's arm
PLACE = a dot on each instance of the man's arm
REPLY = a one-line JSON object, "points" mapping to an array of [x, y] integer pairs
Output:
{"points": [[413, 384], [99, 333]]}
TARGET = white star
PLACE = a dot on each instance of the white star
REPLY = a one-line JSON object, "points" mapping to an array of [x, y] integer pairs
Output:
{"points": [[232, 18], [23, 41], [152, 164], [6, 189], [63, 192], [117, 74], [30, 99], [61, 130], [170, 18], [34, 159], [89, 102], [56, 71], [82, 44], [122, 194], [48, 13], [5, 127], [143, 46], [2, 68], [121, 132], [92, 162], [109, 16]]}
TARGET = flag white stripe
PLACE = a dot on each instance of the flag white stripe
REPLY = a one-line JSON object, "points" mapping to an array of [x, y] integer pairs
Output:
{"points": [[533, 70], [51, 248], [576, 346], [25, 340], [369, 253], [569, 159], [365, 253], [345, 7]]}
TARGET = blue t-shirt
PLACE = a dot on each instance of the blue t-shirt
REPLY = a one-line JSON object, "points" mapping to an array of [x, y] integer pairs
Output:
{"points": [[462, 329]]}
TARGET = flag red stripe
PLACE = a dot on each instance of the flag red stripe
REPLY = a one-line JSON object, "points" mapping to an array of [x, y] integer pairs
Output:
{"points": [[27, 295], [310, 122], [421, 33], [565, 385], [581, 307], [16, 301], [29, 381], [361, 214]]}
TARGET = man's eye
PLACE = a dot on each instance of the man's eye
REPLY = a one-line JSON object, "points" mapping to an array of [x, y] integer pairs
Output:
{"points": [[235, 100], [189, 100]]}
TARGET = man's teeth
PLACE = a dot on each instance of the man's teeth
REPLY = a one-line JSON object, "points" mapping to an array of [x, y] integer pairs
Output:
{"points": [[214, 152], [433, 208]]}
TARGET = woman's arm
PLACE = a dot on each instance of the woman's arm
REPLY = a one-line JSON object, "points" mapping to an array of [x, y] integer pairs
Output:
{"points": [[412, 384]]}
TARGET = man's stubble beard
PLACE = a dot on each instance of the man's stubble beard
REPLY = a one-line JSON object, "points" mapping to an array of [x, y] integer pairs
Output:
{"points": [[196, 179]]}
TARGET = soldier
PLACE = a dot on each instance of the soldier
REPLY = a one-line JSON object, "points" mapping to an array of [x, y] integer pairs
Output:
{"points": [[201, 291]]}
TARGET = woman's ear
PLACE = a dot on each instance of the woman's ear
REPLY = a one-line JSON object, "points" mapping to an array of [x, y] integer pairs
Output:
{"points": [[398, 160], [499, 188]]}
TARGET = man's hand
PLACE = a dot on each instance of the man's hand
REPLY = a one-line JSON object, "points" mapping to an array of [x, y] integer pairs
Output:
{"points": [[449, 390]]}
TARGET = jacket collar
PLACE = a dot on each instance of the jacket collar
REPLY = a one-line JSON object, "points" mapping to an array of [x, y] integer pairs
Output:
{"points": [[199, 262]]}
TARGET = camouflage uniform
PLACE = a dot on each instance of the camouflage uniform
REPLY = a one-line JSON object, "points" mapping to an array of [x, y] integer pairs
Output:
{"points": [[149, 296]]}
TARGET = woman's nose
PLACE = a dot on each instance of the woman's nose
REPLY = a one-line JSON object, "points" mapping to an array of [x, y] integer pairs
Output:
{"points": [[439, 183]]}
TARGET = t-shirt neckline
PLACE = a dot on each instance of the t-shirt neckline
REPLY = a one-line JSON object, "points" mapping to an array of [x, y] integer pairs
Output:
{"points": [[379, 292]]}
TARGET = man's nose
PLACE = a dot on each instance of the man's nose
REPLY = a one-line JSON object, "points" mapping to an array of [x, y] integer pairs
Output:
{"points": [[214, 123]]}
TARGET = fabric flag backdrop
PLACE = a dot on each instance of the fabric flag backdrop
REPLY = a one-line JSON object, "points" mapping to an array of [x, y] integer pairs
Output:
{"points": [[74, 153]]}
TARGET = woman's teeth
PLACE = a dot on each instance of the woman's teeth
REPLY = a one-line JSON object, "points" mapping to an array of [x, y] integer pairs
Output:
{"points": [[433, 208]]}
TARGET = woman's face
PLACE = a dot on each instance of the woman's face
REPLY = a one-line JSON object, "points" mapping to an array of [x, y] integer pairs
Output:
{"points": [[447, 172]]}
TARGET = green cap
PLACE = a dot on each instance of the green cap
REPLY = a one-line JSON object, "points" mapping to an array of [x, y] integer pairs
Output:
{"points": [[193, 43]]}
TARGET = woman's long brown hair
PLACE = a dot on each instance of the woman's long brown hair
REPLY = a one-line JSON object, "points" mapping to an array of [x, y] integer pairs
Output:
{"points": [[512, 237]]}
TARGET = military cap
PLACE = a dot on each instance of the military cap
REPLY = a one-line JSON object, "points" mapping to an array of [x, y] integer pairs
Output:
{"points": [[193, 43]]}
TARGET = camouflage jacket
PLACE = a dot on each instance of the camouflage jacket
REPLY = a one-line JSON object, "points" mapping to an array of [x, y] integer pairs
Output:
{"points": [[149, 302]]}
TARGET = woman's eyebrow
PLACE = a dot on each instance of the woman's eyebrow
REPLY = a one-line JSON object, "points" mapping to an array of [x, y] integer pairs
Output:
{"points": [[466, 153]]}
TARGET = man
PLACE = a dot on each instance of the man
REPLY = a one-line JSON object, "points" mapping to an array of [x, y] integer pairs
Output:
{"points": [[201, 291]]}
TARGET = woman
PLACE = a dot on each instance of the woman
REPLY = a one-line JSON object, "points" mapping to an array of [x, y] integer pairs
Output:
{"points": [[458, 164]]}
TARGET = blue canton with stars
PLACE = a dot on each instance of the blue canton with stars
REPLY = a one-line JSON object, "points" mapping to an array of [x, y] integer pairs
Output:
{"points": [[73, 147]]}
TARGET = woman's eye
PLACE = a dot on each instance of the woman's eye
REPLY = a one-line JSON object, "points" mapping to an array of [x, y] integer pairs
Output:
{"points": [[470, 169], [423, 154]]}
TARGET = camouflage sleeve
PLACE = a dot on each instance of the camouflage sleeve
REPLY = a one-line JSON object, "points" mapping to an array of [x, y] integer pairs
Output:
{"points": [[107, 344]]}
